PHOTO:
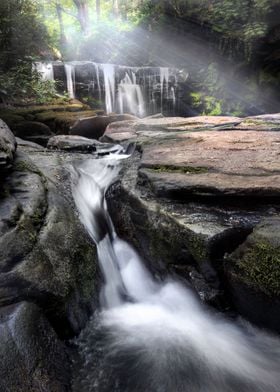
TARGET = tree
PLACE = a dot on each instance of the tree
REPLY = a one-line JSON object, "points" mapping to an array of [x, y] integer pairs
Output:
{"points": [[22, 32]]}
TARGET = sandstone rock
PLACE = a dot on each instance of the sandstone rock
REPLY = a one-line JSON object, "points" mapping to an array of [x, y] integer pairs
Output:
{"points": [[32, 358], [7, 146], [94, 127], [139, 129], [192, 195], [253, 273]]}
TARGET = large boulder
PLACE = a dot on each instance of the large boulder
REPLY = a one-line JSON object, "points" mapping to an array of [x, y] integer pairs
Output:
{"points": [[94, 127], [7, 146], [32, 357], [253, 274]]}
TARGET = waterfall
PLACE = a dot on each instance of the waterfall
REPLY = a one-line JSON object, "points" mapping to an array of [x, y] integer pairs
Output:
{"points": [[152, 336], [130, 95], [110, 86], [45, 69], [164, 78], [136, 90], [70, 78]]}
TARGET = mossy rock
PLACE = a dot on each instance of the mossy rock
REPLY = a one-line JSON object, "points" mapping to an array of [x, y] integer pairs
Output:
{"points": [[257, 261]]}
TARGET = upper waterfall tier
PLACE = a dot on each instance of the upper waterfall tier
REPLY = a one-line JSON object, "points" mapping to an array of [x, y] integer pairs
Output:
{"points": [[140, 91]]}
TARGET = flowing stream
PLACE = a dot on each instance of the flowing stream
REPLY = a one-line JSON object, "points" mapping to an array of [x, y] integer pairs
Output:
{"points": [[152, 336]]}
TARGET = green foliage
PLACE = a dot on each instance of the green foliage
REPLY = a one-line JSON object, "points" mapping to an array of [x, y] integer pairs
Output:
{"points": [[22, 32], [24, 84]]}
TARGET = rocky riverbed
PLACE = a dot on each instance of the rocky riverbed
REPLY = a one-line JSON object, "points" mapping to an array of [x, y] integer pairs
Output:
{"points": [[199, 198]]}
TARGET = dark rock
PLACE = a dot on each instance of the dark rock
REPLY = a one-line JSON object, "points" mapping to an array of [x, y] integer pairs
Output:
{"points": [[33, 131], [45, 254], [94, 127], [7, 146], [32, 358]]}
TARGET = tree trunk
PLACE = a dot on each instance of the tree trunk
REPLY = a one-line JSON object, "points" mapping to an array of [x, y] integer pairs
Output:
{"points": [[61, 26], [116, 8], [82, 8], [97, 7]]}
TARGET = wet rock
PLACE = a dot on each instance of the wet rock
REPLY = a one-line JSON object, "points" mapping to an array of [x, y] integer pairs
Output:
{"points": [[7, 146], [94, 127], [192, 195], [45, 254], [32, 358], [253, 273]]}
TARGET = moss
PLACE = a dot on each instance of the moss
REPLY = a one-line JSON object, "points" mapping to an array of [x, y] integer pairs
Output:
{"points": [[179, 169], [260, 267]]}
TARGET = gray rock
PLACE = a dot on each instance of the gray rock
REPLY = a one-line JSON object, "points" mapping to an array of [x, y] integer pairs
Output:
{"points": [[31, 356], [7, 146], [45, 253]]}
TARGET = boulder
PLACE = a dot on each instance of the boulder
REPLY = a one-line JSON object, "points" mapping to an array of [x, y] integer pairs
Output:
{"points": [[253, 275], [94, 127], [7, 146], [33, 131], [32, 358]]}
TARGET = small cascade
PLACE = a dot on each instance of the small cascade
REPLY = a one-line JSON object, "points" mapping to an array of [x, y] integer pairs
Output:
{"points": [[130, 96], [157, 336], [110, 86], [164, 79], [45, 69], [70, 79], [139, 91]]}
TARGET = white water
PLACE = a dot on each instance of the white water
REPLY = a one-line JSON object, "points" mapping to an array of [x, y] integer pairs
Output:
{"points": [[130, 96], [70, 78], [110, 86], [45, 69], [158, 337], [153, 90]]}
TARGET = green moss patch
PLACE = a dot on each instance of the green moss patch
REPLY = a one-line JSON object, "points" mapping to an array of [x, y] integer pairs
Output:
{"points": [[179, 169], [260, 265]]}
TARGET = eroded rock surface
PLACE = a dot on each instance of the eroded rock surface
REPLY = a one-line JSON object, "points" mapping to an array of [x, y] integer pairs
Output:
{"points": [[194, 194], [31, 356]]}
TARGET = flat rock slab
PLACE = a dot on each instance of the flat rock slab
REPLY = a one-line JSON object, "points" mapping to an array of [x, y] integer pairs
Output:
{"points": [[214, 163], [156, 126]]}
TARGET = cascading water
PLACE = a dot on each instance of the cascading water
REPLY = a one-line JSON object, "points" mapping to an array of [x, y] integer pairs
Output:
{"points": [[110, 86], [45, 69], [157, 337], [137, 90], [130, 95], [70, 79]]}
